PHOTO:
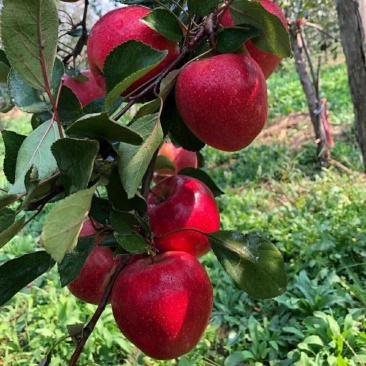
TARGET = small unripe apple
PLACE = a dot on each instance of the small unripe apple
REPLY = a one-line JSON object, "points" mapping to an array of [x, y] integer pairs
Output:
{"points": [[223, 100], [180, 157], [267, 61], [86, 91], [121, 25], [94, 276], [182, 202], [163, 306]]}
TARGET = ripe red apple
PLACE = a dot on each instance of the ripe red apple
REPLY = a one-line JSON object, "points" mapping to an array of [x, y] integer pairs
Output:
{"points": [[94, 276], [182, 202], [121, 25], [223, 100], [180, 157], [86, 91], [267, 61], [163, 307]]}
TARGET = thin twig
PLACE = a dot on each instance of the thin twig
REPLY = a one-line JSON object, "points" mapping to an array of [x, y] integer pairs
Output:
{"points": [[87, 330]]}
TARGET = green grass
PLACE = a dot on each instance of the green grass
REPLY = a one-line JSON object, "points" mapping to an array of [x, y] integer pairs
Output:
{"points": [[316, 217]]}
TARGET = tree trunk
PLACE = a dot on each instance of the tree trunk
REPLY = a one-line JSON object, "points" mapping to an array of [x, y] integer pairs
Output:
{"points": [[299, 49], [352, 24]]}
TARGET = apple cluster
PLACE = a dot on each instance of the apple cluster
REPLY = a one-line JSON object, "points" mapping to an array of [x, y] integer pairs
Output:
{"points": [[165, 295]]}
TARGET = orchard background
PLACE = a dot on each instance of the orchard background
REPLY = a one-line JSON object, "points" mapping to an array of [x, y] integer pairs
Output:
{"points": [[277, 187]]}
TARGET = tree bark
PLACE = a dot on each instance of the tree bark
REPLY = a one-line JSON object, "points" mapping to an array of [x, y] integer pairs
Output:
{"points": [[299, 49], [352, 24]]}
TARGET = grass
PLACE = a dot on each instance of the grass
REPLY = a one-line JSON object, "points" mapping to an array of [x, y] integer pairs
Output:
{"points": [[316, 218]]}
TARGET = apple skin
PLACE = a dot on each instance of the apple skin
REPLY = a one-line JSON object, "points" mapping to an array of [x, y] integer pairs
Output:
{"points": [[267, 61], [86, 91], [223, 100], [94, 276], [165, 306], [180, 157], [121, 25], [182, 202]]}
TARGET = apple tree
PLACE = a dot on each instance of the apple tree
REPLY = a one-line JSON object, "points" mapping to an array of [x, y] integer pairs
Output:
{"points": [[127, 221]]}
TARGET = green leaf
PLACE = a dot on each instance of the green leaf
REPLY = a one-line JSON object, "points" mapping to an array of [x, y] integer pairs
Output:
{"points": [[203, 177], [179, 133], [127, 63], [274, 37], [19, 272], [36, 150], [253, 262], [75, 160], [39, 118], [64, 222], [165, 23], [118, 196], [134, 161], [71, 265], [30, 34], [100, 210], [12, 141], [100, 126], [229, 39], [7, 200], [69, 107], [123, 222], [25, 97], [162, 162], [132, 243], [7, 218], [202, 7], [11, 231], [4, 67]]}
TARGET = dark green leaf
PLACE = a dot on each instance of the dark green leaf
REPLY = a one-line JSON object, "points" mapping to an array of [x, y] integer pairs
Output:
{"points": [[75, 329], [100, 126], [39, 118], [57, 75], [273, 37], [12, 142], [165, 23], [202, 7], [132, 243], [69, 107], [29, 34], [118, 196], [252, 261], [11, 231], [179, 133], [127, 63], [4, 67], [7, 218], [75, 160], [19, 272], [46, 361], [78, 32], [203, 177], [25, 97], [72, 263], [231, 38], [100, 210], [123, 222], [134, 161]]}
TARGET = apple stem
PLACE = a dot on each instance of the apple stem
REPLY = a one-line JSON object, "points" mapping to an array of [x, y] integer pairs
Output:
{"points": [[88, 329]]}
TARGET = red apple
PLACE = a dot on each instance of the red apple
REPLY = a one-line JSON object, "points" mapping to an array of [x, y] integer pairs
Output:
{"points": [[180, 157], [94, 276], [267, 61], [163, 307], [86, 91], [223, 100], [121, 25], [181, 202]]}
